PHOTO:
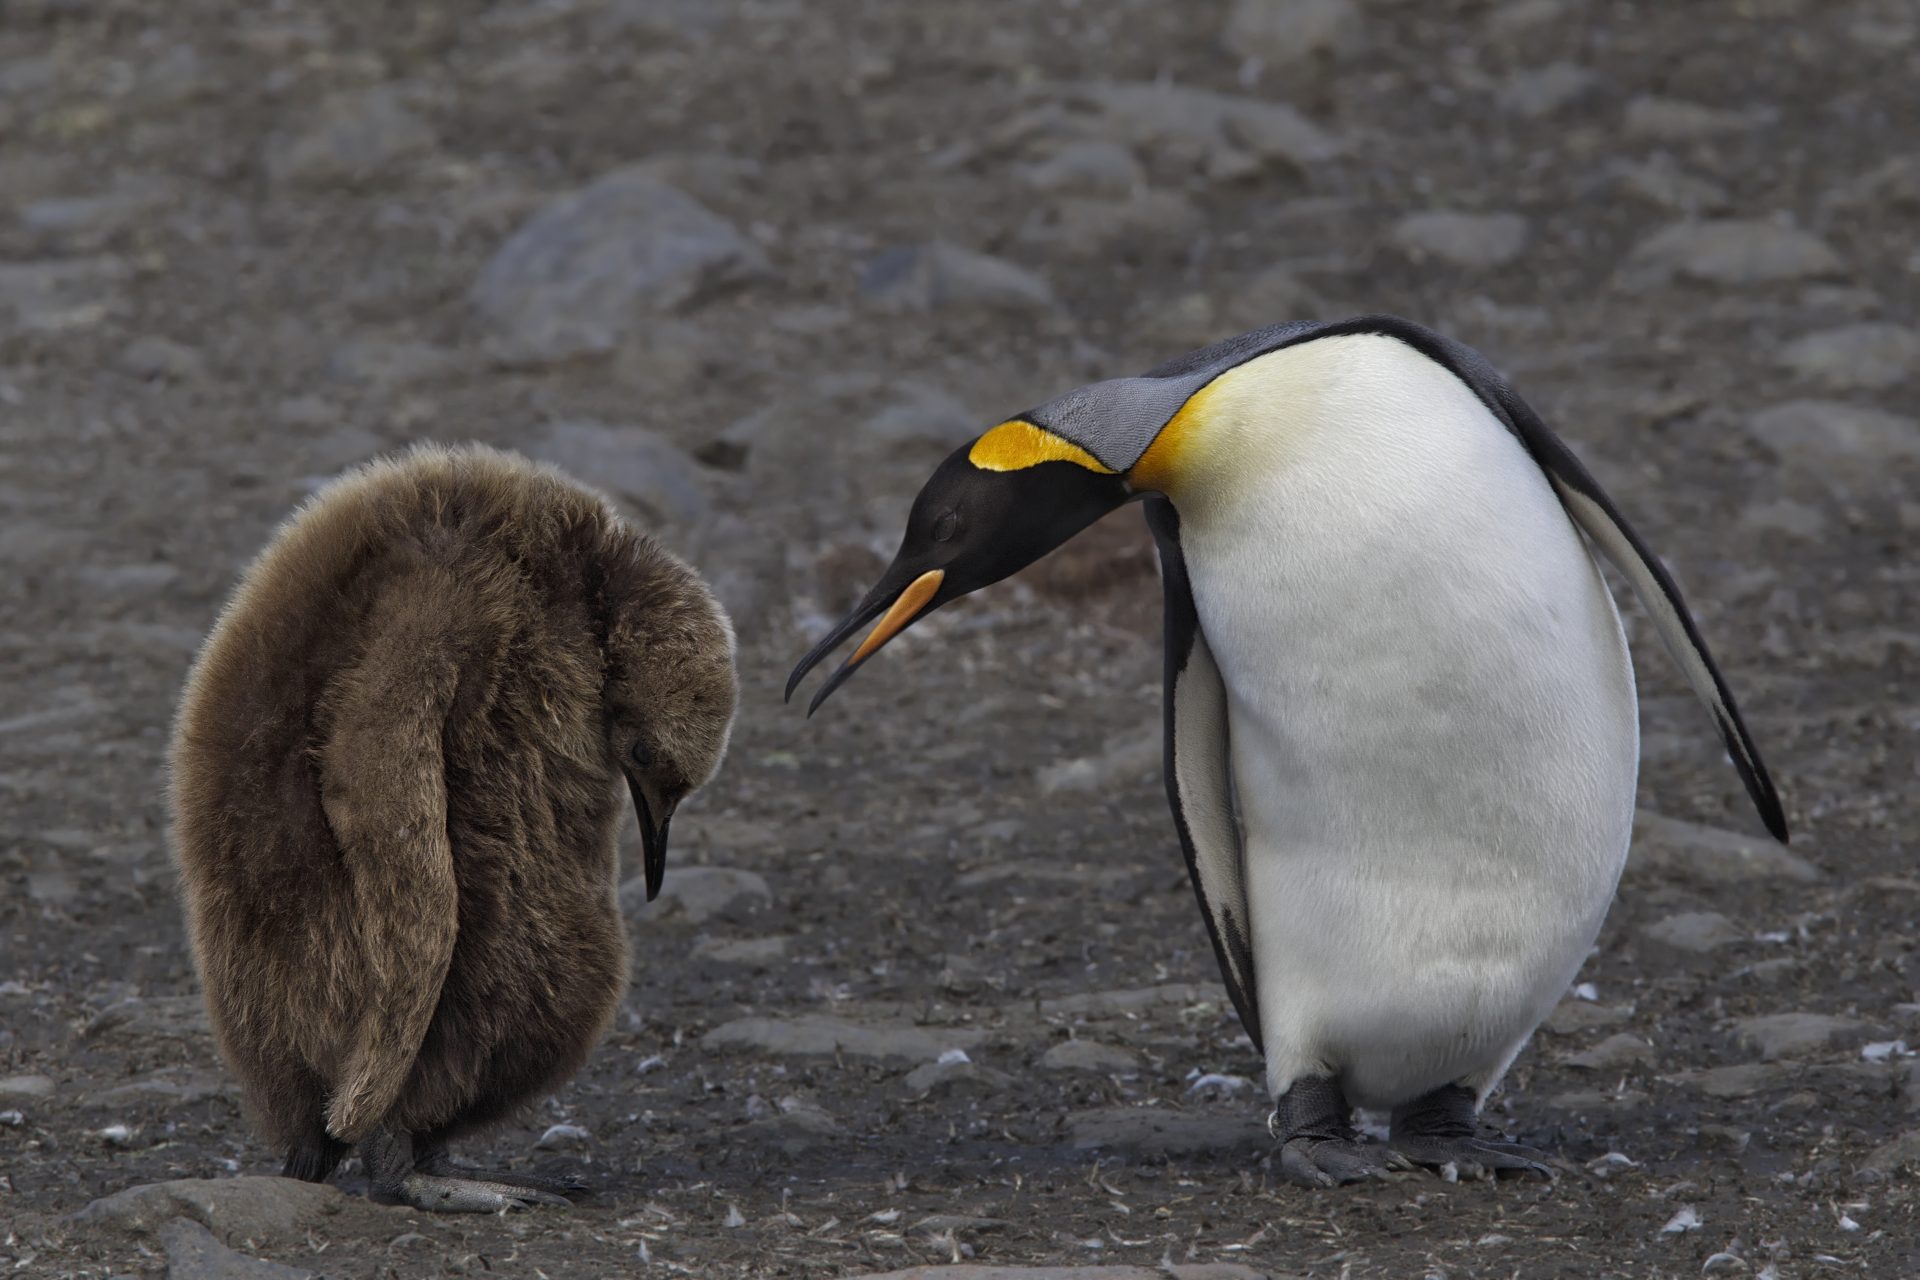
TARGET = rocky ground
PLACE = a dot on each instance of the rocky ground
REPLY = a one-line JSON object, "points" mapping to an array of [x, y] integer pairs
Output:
{"points": [[928, 985]]}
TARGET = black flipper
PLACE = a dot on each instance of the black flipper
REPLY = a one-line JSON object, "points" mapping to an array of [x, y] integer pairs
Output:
{"points": [[1199, 774]]}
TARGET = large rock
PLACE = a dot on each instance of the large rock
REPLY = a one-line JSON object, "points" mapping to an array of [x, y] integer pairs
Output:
{"points": [[246, 1210], [937, 275], [1796, 1035], [193, 1254], [1855, 357], [1475, 240], [695, 894], [585, 272], [1165, 1131], [822, 1035], [1293, 35], [1816, 436], [351, 139], [1668, 847], [1733, 251]]}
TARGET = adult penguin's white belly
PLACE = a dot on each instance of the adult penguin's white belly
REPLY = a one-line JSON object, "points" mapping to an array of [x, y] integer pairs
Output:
{"points": [[1433, 723]]}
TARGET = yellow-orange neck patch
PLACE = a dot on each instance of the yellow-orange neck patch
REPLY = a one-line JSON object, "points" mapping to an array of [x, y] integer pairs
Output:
{"points": [[1016, 445], [1159, 467]]}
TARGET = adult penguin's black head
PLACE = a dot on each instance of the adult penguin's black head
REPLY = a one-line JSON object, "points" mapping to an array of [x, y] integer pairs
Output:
{"points": [[993, 508]]}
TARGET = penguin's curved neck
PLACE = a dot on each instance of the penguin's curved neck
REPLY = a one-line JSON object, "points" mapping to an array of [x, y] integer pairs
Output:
{"points": [[1252, 420]]}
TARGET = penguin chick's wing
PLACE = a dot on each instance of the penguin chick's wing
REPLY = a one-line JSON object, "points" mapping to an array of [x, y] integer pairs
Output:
{"points": [[1595, 513], [383, 786], [1199, 779]]}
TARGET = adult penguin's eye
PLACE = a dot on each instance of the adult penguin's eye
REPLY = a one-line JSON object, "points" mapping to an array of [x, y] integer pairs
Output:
{"points": [[945, 525], [641, 754]]}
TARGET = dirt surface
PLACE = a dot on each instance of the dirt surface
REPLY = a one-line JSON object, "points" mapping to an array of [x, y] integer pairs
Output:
{"points": [[244, 246]]}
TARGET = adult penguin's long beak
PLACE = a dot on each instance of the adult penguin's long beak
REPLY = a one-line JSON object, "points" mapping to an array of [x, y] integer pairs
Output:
{"points": [[896, 607]]}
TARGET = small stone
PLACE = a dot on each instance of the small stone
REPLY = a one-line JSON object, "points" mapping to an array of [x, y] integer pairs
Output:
{"points": [[1196, 129], [1571, 1017], [237, 1210], [390, 362], [821, 1035], [582, 274], [1473, 240], [797, 1127], [155, 1018], [1166, 1131], [1796, 1035], [193, 1254], [1001, 1271], [1784, 515], [562, 1137], [1742, 1080], [1694, 931], [351, 139], [1274, 295], [90, 221], [938, 275], [155, 358], [695, 894], [1668, 847], [1867, 357], [1733, 251], [1673, 120], [759, 953], [947, 1073], [1894, 184], [1615, 1053], [59, 295], [1545, 90], [1817, 436], [26, 1088], [633, 463], [1290, 35], [1089, 1055], [1094, 168], [1660, 183], [1122, 763]]}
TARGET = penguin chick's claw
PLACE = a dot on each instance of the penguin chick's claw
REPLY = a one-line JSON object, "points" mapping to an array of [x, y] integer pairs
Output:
{"points": [[441, 1165], [435, 1194], [1438, 1131]]}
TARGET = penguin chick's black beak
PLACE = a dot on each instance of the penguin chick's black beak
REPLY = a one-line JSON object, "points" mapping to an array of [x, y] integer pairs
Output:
{"points": [[981, 517], [653, 838]]}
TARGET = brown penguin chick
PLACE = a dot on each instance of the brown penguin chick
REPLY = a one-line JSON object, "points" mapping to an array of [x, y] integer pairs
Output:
{"points": [[397, 775]]}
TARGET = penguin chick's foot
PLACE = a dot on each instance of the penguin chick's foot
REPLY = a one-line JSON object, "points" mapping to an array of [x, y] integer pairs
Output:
{"points": [[1318, 1145], [394, 1179], [1438, 1131], [431, 1158]]}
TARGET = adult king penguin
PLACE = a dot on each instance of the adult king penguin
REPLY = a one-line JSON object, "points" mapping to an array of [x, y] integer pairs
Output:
{"points": [[1401, 729]]}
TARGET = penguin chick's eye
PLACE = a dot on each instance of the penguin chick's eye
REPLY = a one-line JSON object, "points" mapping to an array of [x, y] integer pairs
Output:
{"points": [[641, 754], [945, 525]]}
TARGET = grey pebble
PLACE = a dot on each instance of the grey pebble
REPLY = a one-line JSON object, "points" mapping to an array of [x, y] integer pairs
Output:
{"points": [[1869, 356], [822, 1035], [1671, 848], [1474, 240], [937, 275], [1693, 931], [695, 894], [1167, 1131], [1541, 91], [1089, 1055], [1797, 1035], [351, 138], [633, 463], [1732, 251], [1292, 34], [1616, 1053], [156, 358]]}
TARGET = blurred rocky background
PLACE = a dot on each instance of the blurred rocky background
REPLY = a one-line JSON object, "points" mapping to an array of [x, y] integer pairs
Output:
{"points": [[928, 985]]}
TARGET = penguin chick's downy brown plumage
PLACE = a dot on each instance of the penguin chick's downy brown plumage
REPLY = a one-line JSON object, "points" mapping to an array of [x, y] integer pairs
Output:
{"points": [[397, 785]]}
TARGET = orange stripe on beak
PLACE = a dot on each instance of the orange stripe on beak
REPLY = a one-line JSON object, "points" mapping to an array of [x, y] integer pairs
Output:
{"points": [[904, 610]]}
